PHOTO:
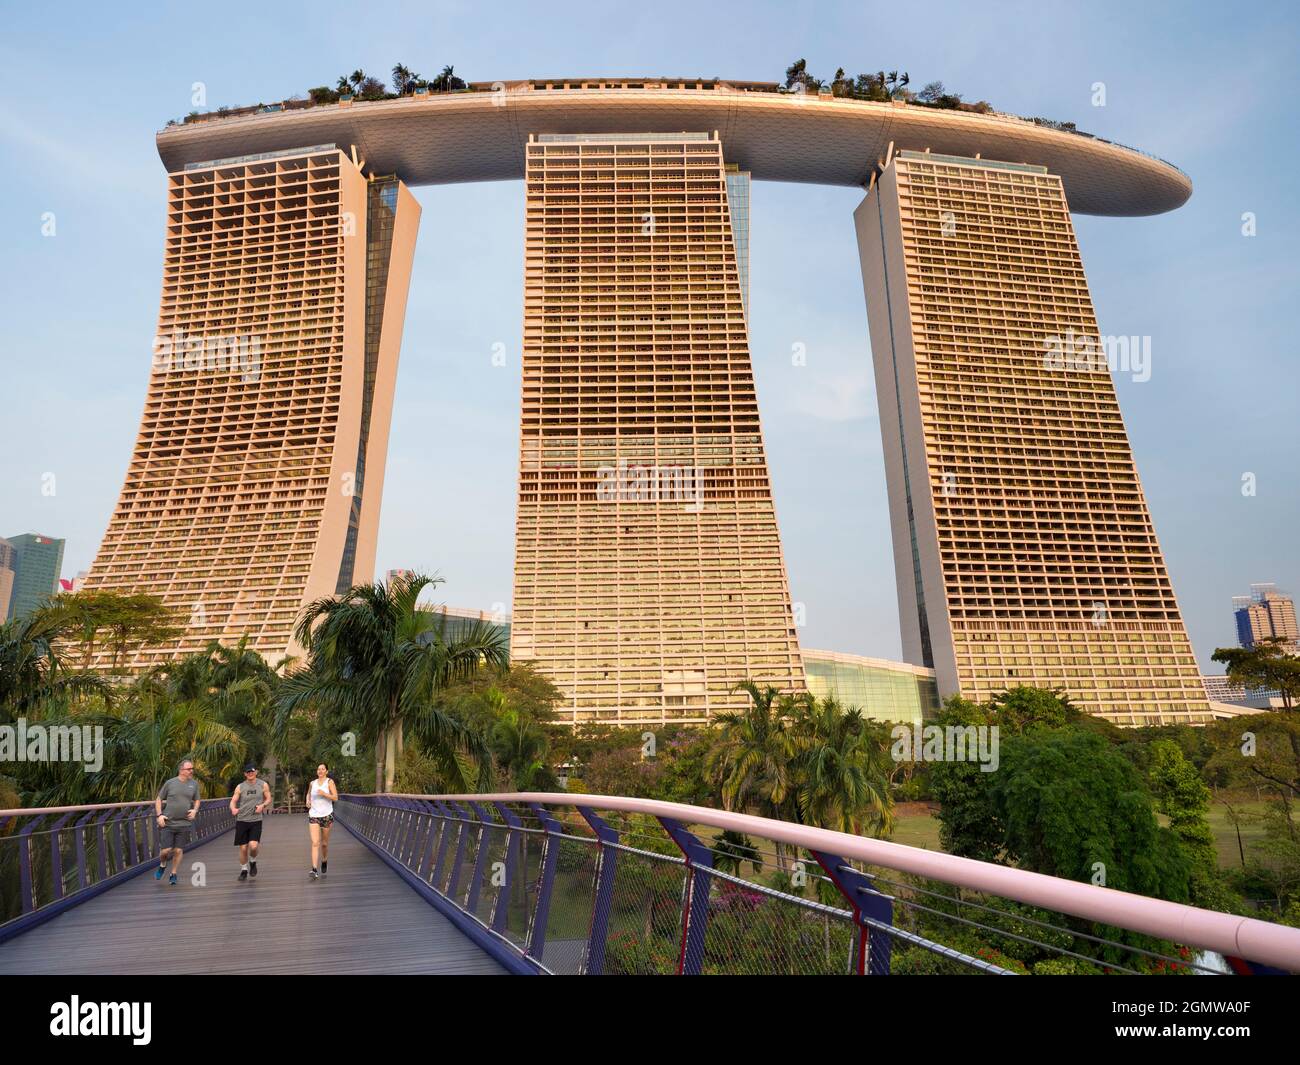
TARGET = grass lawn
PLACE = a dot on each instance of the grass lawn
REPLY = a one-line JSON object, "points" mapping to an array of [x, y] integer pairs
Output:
{"points": [[1225, 834]]}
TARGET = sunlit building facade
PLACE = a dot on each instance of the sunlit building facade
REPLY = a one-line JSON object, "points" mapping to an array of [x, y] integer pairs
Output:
{"points": [[649, 579], [257, 474], [1023, 548]]}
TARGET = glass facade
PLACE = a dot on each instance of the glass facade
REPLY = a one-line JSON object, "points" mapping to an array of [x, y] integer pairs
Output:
{"points": [[885, 691], [37, 562], [738, 206], [381, 216], [457, 621]]}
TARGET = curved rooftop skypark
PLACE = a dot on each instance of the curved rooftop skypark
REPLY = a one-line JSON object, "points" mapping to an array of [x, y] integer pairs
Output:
{"points": [[444, 138]]}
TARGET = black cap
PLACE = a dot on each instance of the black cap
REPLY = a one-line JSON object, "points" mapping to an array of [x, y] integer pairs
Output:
{"points": [[250, 768]]}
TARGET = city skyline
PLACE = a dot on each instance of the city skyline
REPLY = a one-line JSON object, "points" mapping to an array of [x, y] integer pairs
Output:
{"points": [[809, 450]]}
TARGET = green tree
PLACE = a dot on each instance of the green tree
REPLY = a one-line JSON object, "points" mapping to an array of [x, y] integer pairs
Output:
{"points": [[117, 623], [34, 667], [1075, 807], [969, 821], [383, 663], [841, 768], [752, 758], [519, 746], [1267, 665]]}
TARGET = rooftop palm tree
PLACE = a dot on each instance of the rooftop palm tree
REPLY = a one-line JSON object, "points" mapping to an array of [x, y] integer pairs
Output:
{"points": [[380, 661]]}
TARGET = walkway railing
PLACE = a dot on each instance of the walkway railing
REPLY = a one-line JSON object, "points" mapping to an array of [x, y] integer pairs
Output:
{"points": [[592, 884], [57, 856]]}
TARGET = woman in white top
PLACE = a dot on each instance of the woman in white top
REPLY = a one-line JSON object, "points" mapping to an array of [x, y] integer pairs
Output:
{"points": [[321, 797]]}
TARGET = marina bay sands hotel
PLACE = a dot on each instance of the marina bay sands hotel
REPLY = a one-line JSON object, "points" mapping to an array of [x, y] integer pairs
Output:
{"points": [[1023, 546]]}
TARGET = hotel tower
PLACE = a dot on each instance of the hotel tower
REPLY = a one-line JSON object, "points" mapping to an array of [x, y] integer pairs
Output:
{"points": [[1023, 549], [256, 479], [649, 578]]}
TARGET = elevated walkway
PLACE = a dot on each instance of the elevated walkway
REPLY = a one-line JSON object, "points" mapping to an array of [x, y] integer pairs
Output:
{"points": [[359, 919]]}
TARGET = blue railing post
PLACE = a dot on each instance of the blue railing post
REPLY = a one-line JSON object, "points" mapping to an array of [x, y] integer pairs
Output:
{"points": [[550, 857], [25, 886], [429, 818], [695, 907], [480, 859], [461, 839], [101, 823], [502, 912], [386, 826], [132, 847], [603, 898], [872, 947], [119, 837], [56, 857], [83, 877], [444, 842], [410, 826]]}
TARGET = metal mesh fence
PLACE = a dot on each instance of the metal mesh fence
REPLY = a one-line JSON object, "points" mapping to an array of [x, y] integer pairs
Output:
{"points": [[47, 858], [568, 925], [645, 919], [755, 931], [621, 907]]}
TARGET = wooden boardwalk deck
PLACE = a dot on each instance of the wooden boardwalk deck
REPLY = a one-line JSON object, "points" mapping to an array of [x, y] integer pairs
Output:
{"points": [[361, 919]]}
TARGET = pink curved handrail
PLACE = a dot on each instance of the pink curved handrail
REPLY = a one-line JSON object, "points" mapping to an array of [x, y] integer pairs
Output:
{"points": [[1225, 933], [30, 811]]}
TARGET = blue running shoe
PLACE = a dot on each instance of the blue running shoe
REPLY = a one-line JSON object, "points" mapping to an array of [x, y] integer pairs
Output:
{"points": [[158, 873], [172, 880]]}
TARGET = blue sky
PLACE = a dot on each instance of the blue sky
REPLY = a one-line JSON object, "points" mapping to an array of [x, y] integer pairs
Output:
{"points": [[1210, 88]]}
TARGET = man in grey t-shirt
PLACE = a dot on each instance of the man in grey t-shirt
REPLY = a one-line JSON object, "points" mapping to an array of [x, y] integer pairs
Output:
{"points": [[252, 797], [177, 805]]}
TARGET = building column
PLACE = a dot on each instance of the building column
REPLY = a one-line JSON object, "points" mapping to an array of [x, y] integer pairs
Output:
{"points": [[1023, 548], [649, 579], [256, 479]]}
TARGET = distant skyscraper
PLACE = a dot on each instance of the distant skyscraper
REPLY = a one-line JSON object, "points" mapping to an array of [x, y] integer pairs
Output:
{"points": [[1266, 613], [398, 574], [38, 562], [8, 563], [1023, 549]]}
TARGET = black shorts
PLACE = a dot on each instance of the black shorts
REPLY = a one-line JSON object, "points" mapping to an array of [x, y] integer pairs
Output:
{"points": [[247, 832]]}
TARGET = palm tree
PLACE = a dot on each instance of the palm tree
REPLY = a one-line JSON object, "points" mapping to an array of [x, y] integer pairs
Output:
{"points": [[517, 742], [33, 667], [751, 760], [145, 736], [843, 778], [447, 80], [155, 734], [404, 79], [378, 660]]}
